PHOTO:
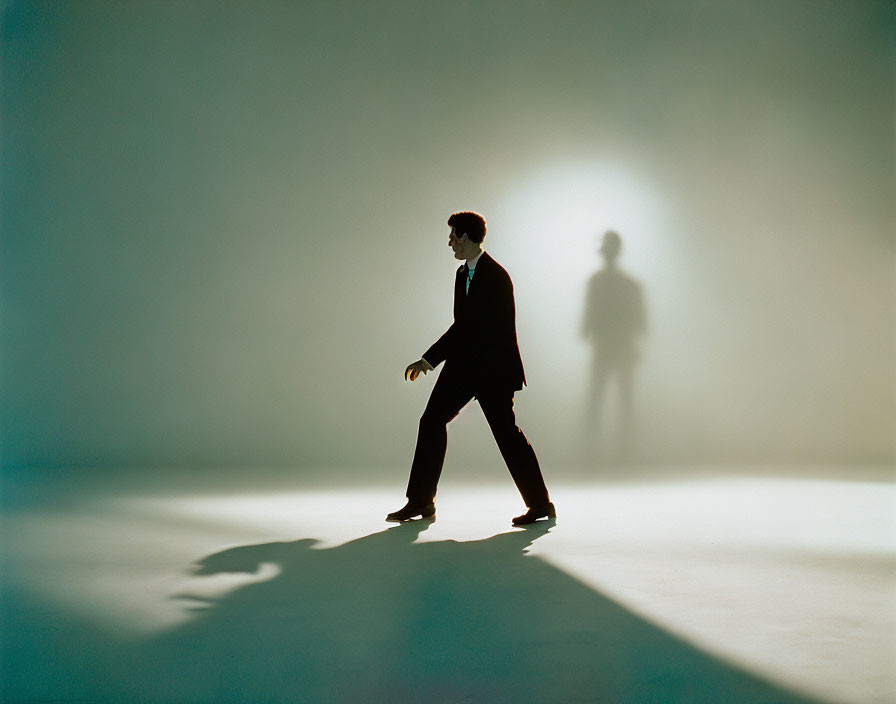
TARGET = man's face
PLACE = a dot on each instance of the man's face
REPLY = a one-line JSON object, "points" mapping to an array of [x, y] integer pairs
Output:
{"points": [[457, 244]]}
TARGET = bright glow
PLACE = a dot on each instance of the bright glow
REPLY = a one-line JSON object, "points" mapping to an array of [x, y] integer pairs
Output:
{"points": [[555, 220], [561, 211]]}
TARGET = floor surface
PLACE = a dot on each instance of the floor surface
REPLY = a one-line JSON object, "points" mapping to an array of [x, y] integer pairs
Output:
{"points": [[742, 589]]}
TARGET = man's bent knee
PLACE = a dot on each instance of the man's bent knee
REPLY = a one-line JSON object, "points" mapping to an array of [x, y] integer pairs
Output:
{"points": [[433, 421]]}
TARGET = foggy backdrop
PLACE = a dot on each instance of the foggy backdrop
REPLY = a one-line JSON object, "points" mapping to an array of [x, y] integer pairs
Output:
{"points": [[224, 238]]}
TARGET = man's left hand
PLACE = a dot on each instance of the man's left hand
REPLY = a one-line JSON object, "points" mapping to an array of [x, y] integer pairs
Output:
{"points": [[421, 366]]}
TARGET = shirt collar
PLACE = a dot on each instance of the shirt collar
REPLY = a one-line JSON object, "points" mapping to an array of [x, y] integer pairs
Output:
{"points": [[472, 264]]}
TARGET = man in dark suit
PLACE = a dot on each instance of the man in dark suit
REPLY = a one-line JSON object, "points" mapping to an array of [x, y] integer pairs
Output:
{"points": [[482, 361]]}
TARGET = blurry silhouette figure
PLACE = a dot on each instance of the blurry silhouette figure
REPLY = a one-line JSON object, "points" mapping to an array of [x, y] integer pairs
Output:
{"points": [[613, 324]]}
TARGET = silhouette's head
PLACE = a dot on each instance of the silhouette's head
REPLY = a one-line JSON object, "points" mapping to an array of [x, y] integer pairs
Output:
{"points": [[611, 245], [467, 233], [248, 558]]}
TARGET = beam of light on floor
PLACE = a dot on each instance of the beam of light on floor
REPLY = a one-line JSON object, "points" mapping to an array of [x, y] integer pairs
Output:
{"points": [[792, 579]]}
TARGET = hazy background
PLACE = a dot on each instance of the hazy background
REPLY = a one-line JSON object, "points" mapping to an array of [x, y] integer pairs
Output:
{"points": [[223, 224]]}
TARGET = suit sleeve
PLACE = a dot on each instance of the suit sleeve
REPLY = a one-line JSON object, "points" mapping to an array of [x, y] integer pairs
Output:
{"points": [[446, 345], [505, 321], [504, 361], [442, 347]]}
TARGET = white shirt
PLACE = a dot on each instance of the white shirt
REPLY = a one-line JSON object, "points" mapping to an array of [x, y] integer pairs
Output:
{"points": [[471, 266], [472, 262]]}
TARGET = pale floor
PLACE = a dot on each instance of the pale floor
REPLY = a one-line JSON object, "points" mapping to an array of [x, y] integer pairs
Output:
{"points": [[790, 581]]}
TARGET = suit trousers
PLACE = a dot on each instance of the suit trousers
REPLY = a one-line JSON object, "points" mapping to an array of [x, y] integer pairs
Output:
{"points": [[452, 391]]}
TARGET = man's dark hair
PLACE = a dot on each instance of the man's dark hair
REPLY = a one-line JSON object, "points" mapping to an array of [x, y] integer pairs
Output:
{"points": [[470, 224]]}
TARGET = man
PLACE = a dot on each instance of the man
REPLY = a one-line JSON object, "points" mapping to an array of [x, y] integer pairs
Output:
{"points": [[482, 361]]}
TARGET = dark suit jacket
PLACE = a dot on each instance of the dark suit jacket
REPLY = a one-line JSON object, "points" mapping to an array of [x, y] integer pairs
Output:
{"points": [[481, 343]]}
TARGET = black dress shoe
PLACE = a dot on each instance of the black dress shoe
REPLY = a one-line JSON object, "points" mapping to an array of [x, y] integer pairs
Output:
{"points": [[533, 514], [412, 510]]}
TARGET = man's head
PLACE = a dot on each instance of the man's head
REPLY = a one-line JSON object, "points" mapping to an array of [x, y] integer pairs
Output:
{"points": [[467, 233]]}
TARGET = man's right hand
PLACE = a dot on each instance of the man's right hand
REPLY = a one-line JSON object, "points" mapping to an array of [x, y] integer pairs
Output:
{"points": [[421, 366]]}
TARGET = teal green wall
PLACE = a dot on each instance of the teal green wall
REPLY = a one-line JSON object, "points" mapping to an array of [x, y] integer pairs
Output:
{"points": [[223, 222]]}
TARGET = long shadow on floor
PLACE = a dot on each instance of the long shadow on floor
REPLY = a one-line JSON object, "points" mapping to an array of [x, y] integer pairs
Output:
{"points": [[385, 619]]}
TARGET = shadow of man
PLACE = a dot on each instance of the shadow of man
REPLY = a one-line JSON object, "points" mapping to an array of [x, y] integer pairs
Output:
{"points": [[613, 324], [387, 619]]}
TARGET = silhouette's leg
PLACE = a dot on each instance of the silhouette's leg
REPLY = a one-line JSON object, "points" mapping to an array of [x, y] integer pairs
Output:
{"points": [[599, 377], [592, 406], [626, 413], [515, 448], [449, 395]]}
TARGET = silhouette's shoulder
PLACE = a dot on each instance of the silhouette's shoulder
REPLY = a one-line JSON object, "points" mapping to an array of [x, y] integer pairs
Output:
{"points": [[631, 282], [615, 278]]}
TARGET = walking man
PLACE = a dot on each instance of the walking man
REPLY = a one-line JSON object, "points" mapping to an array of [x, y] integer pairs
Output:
{"points": [[482, 361]]}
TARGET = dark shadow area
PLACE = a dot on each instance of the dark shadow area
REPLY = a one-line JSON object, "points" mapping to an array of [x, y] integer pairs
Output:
{"points": [[378, 619], [613, 324]]}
